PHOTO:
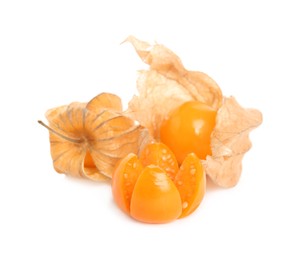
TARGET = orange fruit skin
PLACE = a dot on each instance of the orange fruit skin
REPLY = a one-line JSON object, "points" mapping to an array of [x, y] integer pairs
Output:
{"points": [[124, 179], [191, 184], [88, 161], [155, 198], [148, 194], [161, 155], [188, 129]]}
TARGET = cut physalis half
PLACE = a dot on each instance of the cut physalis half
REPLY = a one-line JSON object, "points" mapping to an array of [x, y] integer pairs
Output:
{"points": [[123, 180], [191, 184], [144, 189], [159, 154]]}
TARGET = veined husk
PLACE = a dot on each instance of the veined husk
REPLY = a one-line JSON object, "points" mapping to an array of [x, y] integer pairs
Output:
{"points": [[97, 129], [167, 84]]}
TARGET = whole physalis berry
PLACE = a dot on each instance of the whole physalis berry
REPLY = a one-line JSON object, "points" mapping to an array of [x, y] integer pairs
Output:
{"points": [[150, 194], [188, 129]]}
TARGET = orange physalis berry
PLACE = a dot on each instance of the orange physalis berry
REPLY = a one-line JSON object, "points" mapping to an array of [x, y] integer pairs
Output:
{"points": [[155, 198], [188, 130], [149, 194], [88, 161], [123, 180], [159, 154], [191, 183]]}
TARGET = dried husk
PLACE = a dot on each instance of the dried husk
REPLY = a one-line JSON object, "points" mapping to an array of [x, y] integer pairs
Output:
{"points": [[230, 141], [167, 85], [98, 128]]}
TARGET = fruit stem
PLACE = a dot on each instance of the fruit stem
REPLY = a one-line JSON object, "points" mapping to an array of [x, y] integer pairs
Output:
{"points": [[73, 140]]}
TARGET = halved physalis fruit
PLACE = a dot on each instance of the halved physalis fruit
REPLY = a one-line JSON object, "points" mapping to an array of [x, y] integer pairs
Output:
{"points": [[159, 154], [148, 194], [155, 198], [124, 179], [191, 184]]}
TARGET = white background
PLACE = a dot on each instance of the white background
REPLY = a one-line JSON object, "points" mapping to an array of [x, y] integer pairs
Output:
{"points": [[56, 52]]}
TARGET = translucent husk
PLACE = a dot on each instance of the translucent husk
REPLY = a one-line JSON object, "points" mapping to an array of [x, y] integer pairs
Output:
{"points": [[167, 84], [96, 131]]}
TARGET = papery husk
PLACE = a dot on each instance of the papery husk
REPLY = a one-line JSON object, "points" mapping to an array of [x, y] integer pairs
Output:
{"points": [[167, 85], [230, 141], [98, 128]]}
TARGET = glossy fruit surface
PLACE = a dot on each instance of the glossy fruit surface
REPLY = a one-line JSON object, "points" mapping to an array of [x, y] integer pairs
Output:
{"points": [[143, 189], [191, 183], [124, 179], [160, 155], [155, 198], [188, 129]]}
